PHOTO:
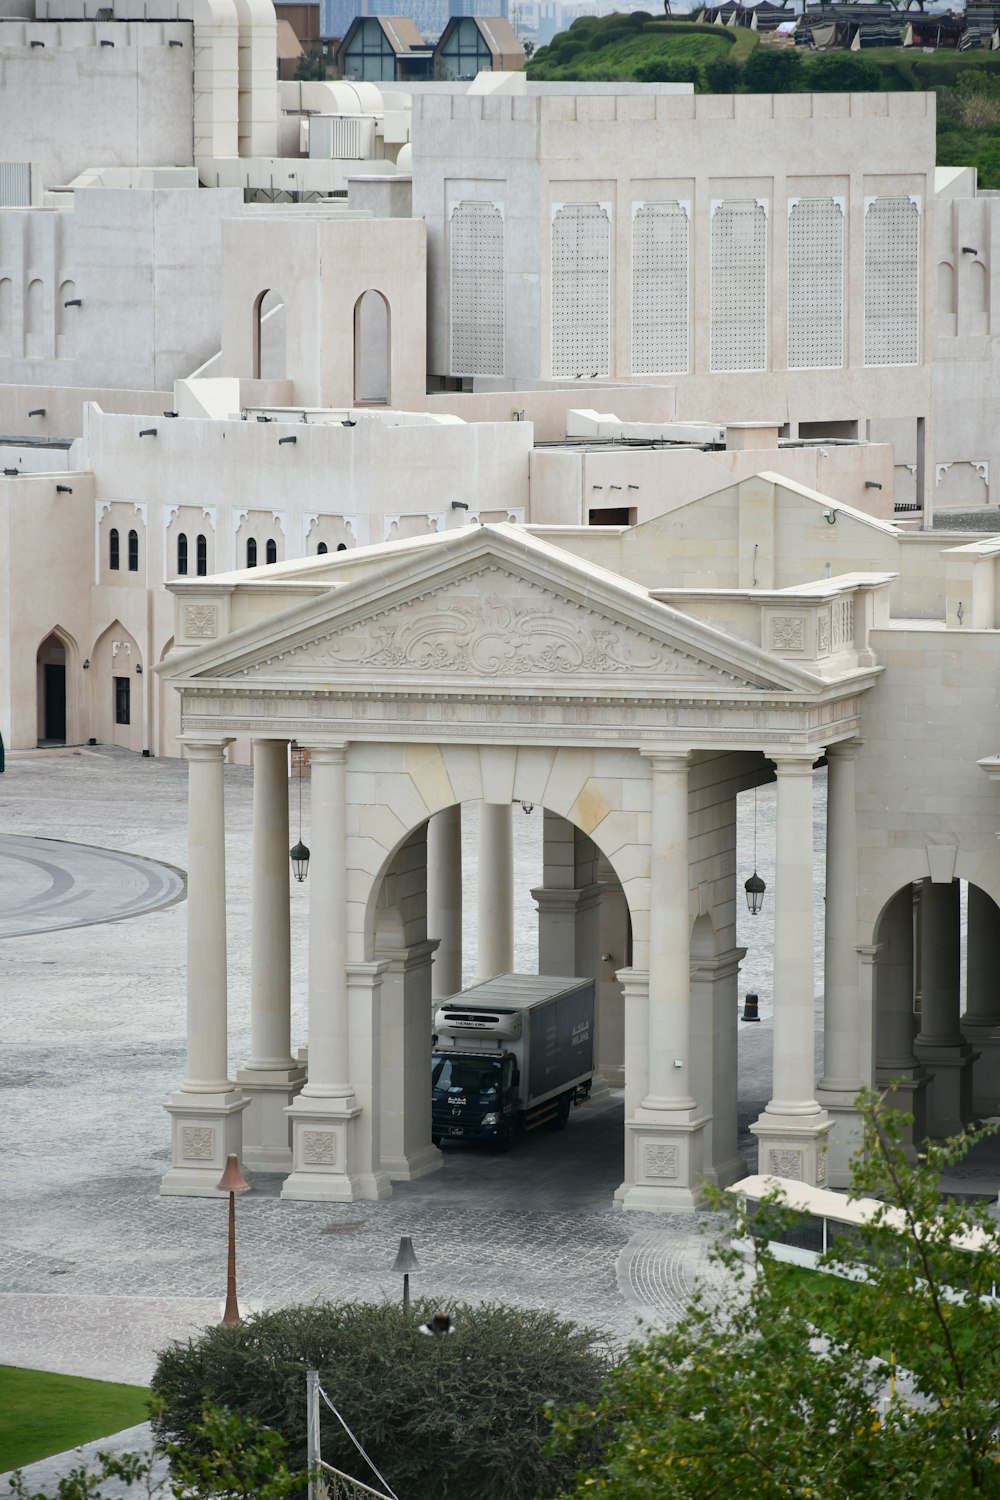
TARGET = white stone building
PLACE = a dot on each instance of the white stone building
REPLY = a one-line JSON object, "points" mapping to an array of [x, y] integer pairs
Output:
{"points": [[555, 460]]}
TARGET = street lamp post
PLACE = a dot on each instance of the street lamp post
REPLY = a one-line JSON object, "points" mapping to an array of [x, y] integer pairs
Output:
{"points": [[405, 1262], [232, 1182]]}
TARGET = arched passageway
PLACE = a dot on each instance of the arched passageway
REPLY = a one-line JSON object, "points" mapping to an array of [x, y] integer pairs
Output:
{"points": [[936, 1003]]}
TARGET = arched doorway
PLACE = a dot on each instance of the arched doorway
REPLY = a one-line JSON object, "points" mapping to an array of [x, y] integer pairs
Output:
{"points": [[53, 715], [117, 679], [372, 358]]}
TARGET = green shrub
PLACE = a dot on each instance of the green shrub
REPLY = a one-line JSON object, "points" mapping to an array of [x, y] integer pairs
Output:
{"points": [[843, 73], [722, 75], [770, 71], [443, 1418]]}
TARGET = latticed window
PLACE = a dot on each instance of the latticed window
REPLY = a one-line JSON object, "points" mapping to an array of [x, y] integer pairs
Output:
{"points": [[114, 550], [892, 281], [251, 552], [202, 557], [271, 551], [182, 553], [815, 284], [133, 552], [739, 285], [660, 277], [581, 290], [475, 250]]}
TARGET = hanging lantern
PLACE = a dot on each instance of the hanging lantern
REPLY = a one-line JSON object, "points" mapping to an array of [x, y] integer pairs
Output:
{"points": [[755, 889], [299, 855]]}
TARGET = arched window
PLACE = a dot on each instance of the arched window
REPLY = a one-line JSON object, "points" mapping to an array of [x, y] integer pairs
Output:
{"points": [[341, 546], [182, 553], [251, 551], [113, 553], [133, 552], [322, 548], [202, 557], [272, 550]]}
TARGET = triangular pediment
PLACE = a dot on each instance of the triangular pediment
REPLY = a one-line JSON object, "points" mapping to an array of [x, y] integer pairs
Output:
{"points": [[497, 610]]}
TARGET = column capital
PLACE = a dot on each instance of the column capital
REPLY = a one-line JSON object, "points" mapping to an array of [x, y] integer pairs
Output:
{"points": [[844, 749], [324, 752], [667, 758], [202, 747], [270, 739], [792, 762]]}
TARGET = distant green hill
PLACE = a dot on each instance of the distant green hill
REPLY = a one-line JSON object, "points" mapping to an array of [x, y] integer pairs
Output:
{"points": [[723, 60]]}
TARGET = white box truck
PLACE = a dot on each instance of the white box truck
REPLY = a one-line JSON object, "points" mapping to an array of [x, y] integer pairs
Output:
{"points": [[510, 1054]]}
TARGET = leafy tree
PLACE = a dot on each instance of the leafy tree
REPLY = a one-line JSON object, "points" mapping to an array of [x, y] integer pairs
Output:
{"points": [[843, 73], [443, 1418], [722, 75], [782, 1392], [772, 70], [666, 70]]}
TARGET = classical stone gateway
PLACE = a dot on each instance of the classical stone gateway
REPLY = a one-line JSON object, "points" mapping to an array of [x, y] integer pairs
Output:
{"points": [[491, 665]]}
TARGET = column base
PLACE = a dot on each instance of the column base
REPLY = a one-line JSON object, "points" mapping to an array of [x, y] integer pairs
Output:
{"points": [[793, 1146], [725, 1172], [984, 1037], [845, 1133], [949, 1085], [665, 1157], [909, 1094], [267, 1130], [323, 1155], [204, 1130], [414, 1164]]}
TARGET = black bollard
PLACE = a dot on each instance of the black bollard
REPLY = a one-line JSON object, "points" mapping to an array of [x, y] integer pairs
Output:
{"points": [[750, 1008]]}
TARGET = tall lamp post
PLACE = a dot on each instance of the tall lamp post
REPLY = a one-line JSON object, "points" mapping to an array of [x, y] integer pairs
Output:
{"points": [[232, 1182]]}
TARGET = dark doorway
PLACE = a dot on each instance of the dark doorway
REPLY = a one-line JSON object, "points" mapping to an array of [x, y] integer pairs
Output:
{"points": [[55, 702]]}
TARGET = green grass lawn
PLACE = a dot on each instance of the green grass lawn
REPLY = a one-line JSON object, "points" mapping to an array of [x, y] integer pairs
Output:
{"points": [[42, 1414]]}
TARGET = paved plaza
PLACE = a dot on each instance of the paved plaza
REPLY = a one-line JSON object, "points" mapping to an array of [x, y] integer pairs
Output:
{"points": [[97, 1271]]}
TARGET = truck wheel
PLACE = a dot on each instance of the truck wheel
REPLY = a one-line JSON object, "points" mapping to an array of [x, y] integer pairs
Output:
{"points": [[561, 1118]]}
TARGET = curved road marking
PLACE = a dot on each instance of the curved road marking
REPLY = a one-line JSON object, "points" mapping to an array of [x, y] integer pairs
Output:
{"points": [[46, 884]]}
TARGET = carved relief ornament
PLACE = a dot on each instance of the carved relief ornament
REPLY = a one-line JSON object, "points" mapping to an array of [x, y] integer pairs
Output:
{"points": [[492, 625]]}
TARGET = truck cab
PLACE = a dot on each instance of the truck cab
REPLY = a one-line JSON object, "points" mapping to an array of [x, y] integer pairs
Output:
{"points": [[474, 1096]]}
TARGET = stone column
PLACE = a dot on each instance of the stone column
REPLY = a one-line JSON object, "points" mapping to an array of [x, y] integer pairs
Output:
{"points": [[940, 1045], [893, 1000], [981, 1026], [324, 1113], [568, 925], [270, 1077], [665, 1135], [792, 1130], [496, 891], [406, 1148], [206, 1112], [715, 1011], [444, 899], [842, 1075]]}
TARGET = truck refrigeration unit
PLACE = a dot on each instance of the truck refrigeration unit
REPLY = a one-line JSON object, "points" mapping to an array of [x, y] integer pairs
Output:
{"points": [[509, 1055]]}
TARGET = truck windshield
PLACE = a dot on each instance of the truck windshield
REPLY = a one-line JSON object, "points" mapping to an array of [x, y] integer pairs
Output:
{"points": [[466, 1074]]}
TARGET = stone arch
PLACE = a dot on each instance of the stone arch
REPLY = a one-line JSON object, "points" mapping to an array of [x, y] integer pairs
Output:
{"points": [[269, 336], [57, 671], [34, 319], [372, 349], [119, 710], [945, 287], [942, 1056], [415, 781]]}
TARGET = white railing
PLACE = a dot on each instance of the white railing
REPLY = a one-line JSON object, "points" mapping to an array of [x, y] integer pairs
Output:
{"points": [[327, 1482]]}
